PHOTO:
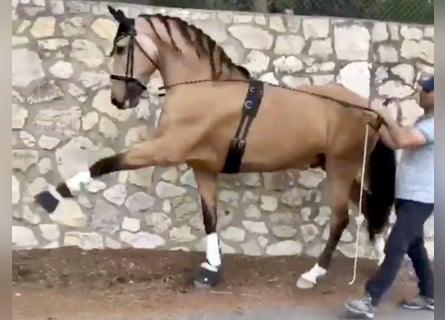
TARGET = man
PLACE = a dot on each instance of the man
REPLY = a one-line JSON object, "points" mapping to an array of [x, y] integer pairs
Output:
{"points": [[414, 205]]}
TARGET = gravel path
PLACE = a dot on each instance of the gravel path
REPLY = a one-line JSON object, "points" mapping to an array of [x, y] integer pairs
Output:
{"points": [[69, 284], [306, 313]]}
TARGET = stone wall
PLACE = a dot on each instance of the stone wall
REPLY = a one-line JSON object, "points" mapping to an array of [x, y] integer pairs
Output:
{"points": [[62, 119]]}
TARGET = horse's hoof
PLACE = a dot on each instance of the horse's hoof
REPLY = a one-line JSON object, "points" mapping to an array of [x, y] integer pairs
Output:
{"points": [[206, 278], [47, 201], [302, 283]]}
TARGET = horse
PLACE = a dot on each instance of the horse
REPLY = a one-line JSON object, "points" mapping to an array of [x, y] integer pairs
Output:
{"points": [[217, 119]]}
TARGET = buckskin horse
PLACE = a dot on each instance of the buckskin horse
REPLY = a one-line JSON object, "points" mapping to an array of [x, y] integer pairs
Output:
{"points": [[217, 119]]}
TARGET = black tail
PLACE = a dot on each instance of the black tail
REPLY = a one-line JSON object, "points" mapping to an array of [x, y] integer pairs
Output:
{"points": [[382, 174]]}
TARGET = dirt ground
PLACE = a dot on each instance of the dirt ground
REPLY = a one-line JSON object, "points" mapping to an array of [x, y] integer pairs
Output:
{"points": [[69, 283]]}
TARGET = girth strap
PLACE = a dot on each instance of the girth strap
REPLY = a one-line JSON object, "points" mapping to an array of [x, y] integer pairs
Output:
{"points": [[238, 143]]}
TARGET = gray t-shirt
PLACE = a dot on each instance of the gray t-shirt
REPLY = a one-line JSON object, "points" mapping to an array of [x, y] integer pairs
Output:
{"points": [[415, 172]]}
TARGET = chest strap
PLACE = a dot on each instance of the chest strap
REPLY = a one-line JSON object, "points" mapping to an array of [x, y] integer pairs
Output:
{"points": [[238, 143]]}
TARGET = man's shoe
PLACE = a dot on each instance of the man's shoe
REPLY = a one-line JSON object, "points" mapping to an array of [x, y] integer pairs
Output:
{"points": [[361, 308], [418, 303]]}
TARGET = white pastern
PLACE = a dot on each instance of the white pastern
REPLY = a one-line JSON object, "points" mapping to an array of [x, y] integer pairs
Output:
{"points": [[379, 248], [313, 274], [75, 183], [309, 279], [212, 252]]}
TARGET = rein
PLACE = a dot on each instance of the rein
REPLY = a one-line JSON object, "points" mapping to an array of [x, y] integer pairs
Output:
{"points": [[376, 126]]}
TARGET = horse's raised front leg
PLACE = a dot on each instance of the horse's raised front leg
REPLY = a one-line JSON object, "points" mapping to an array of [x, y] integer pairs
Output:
{"points": [[209, 272], [149, 153], [339, 181]]}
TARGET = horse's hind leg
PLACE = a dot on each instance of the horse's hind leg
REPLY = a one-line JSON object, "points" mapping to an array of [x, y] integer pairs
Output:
{"points": [[379, 243], [340, 175], [209, 271]]}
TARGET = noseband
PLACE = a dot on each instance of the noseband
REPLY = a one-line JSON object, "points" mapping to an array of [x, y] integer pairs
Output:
{"points": [[133, 85]]}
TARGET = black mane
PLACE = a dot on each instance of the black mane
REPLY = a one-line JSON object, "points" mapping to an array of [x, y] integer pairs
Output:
{"points": [[203, 43]]}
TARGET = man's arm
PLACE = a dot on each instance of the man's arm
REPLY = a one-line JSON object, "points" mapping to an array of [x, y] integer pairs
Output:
{"points": [[385, 136], [402, 138]]}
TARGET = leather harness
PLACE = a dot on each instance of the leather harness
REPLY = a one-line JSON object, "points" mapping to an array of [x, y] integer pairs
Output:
{"points": [[238, 143]]}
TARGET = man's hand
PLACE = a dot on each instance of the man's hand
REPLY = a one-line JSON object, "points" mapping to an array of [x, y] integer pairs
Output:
{"points": [[384, 112], [395, 136]]}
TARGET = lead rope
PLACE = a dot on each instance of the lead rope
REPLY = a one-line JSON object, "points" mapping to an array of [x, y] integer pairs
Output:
{"points": [[360, 218]]}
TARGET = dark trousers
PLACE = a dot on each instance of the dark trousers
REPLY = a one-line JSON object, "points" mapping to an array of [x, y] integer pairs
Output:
{"points": [[406, 237]]}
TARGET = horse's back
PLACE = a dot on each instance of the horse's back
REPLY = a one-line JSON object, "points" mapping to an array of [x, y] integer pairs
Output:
{"points": [[292, 127], [337, 92], [311, 120], [347, 122], [310, 109]]}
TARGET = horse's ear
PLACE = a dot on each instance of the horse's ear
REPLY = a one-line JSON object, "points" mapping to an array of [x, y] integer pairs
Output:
{"points": [[112, 11], [117, 14]]}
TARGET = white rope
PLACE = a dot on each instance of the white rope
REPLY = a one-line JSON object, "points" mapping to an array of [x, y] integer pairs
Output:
{"points": [[360, 221]]}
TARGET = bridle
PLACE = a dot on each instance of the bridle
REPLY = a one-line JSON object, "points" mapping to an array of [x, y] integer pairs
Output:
{"points": [[132, 84]]}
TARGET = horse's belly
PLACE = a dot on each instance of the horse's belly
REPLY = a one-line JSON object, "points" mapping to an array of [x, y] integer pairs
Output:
{"points": [[284, 147]]}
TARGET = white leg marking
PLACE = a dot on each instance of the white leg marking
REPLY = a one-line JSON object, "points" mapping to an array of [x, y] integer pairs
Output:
{"points": [[55, 193], [209, 267], [212, 253], [75, 183], [309, 279], [314, 273], [379, 248]]}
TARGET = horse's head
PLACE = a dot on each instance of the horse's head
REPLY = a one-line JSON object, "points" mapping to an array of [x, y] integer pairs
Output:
{"points": [[135, 58]]}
